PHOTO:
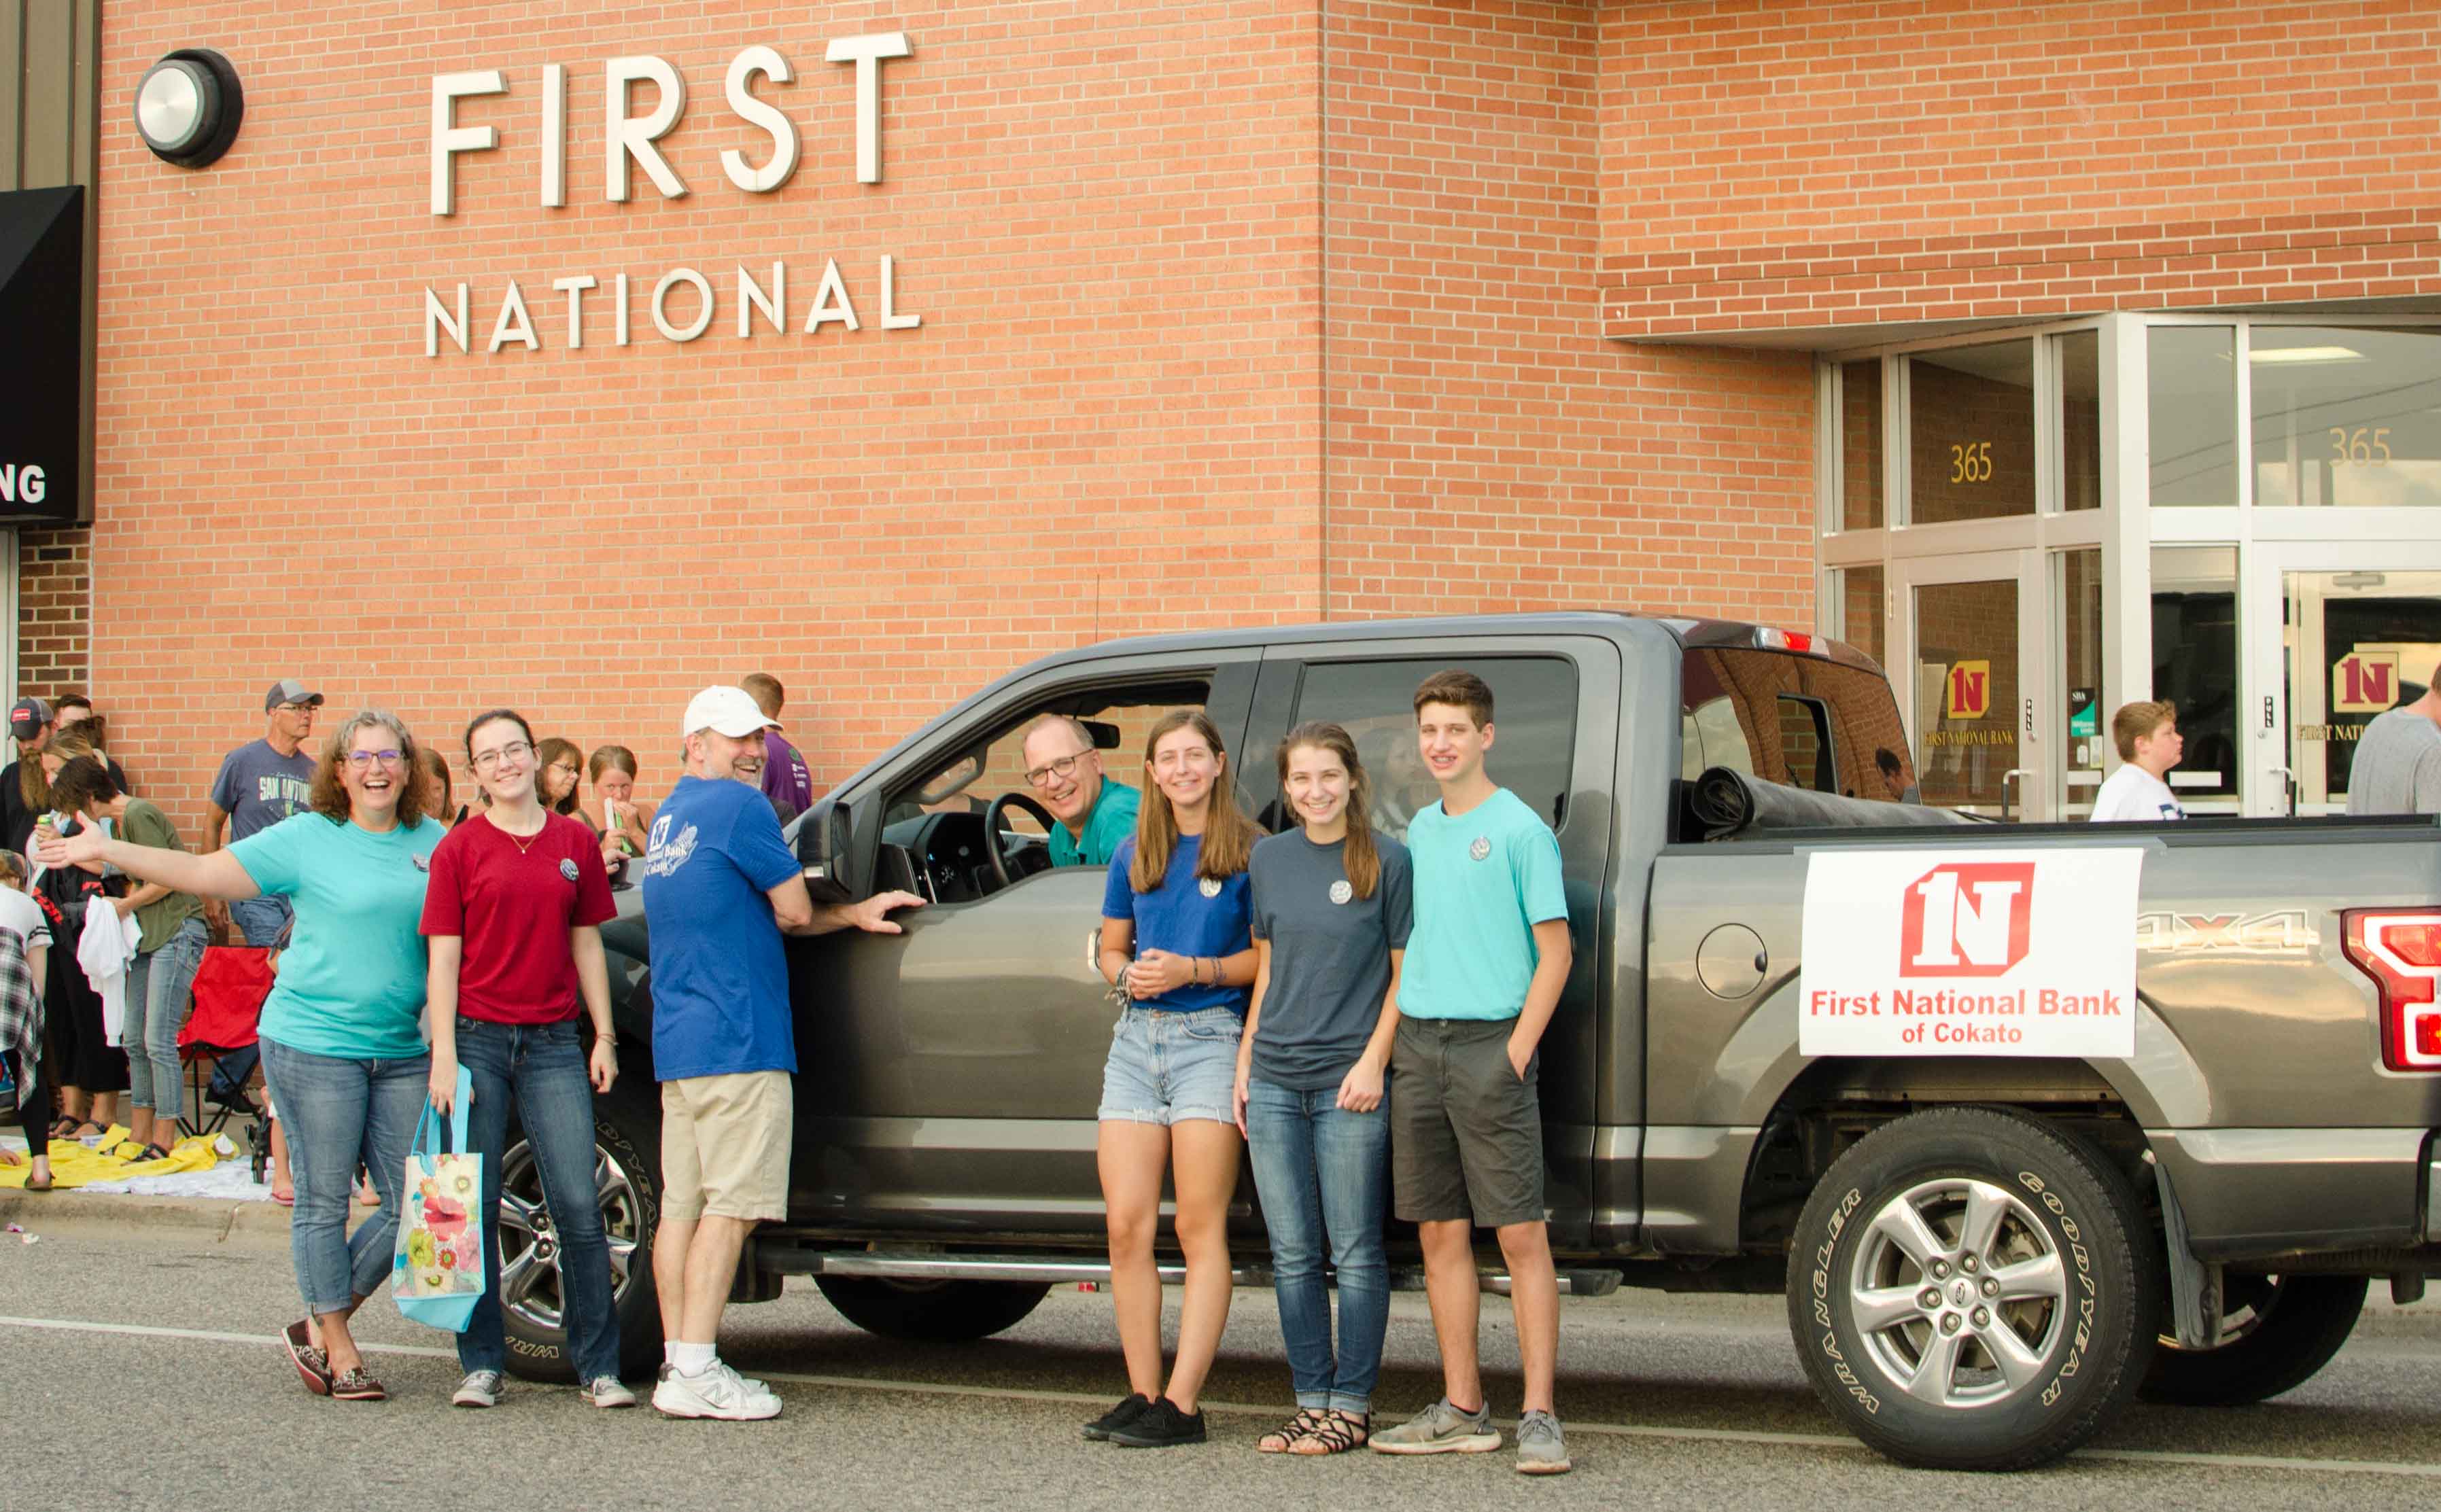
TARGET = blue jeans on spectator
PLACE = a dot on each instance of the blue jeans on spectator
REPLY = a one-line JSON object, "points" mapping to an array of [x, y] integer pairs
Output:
{"points": [[340, 1113], [1324, 1176], [541, 1067], [259, 922], [160, 989]]}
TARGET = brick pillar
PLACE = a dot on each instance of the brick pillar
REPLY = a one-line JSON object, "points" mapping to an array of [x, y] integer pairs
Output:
{"points": [[54, 611]]}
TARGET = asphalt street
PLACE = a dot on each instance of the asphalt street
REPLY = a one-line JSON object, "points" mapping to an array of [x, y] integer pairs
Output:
{"points": [[141, 1370]]}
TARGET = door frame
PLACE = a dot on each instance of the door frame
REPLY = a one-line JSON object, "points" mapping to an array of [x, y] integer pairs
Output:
{"points": [[2269, 754], [2026, 790]]}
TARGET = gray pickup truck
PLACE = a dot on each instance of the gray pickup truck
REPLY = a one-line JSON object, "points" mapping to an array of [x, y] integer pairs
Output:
{"points": [[1983, 1256]]}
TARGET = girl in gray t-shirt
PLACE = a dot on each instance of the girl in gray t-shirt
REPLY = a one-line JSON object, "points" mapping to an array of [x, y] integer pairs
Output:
{"points": [[1332, 906]]}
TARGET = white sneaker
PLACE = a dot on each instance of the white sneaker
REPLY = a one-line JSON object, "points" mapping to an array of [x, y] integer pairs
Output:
{"points": [[719, 1392], [482, 1387], [608, 1390]]}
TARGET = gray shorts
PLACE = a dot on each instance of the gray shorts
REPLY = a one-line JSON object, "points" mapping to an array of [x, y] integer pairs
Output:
{"points": [[1466, 1134]]}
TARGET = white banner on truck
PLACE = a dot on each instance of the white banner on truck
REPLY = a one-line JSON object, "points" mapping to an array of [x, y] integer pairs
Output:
{"points": [[2015, 952]]}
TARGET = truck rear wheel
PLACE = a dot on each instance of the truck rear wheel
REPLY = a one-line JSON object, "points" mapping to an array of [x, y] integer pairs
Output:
{"points": [[1966, 1290], [2276, 1332], [933, 1312]]}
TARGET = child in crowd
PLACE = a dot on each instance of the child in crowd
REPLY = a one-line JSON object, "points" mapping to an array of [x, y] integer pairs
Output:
{"points": [[21, 1012], [2149, 745], [1487, 959]]}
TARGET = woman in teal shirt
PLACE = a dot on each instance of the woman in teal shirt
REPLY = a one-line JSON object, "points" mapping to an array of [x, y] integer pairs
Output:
{"points": [[341, 1040]]}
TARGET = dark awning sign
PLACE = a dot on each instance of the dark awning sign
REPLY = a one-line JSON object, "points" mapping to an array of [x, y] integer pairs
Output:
{"points": [[42, 332]]}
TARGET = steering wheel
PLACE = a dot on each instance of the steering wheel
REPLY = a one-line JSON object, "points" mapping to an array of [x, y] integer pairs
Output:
{"points": [[992, 818]]}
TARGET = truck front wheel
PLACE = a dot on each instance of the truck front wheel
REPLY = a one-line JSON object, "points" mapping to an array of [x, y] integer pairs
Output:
{"points": [[1966, 1290], [933, 1312], [2276, 1331]]}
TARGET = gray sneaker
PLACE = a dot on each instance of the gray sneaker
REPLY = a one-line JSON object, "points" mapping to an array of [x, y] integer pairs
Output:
{"points": [[608, 1390], [1541, 1449], [482, 1387], [1441, 1429]]}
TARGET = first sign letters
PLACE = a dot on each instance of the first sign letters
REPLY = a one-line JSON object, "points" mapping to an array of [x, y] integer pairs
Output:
{"points": [[1970, 953]]}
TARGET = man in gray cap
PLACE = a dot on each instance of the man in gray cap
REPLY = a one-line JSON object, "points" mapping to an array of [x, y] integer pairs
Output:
{"points": [[261, 783]]}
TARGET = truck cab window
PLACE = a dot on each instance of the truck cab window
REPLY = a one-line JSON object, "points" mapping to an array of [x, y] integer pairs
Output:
{"points": [[1533, 722], [1795, 719]]}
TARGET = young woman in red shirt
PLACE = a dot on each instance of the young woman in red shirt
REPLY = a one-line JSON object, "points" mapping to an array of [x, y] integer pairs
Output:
{"points": [[511, 915]]}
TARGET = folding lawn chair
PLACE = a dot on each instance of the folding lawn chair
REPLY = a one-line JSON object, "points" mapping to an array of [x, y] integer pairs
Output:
{"points": [[230, 984]]}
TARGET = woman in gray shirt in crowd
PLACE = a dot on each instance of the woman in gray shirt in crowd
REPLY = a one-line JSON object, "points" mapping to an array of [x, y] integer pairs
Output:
{"points": [[1332, 905]]}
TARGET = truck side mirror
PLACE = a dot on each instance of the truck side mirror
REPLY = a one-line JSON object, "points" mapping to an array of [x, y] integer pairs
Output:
{"points": [[826, 850]]}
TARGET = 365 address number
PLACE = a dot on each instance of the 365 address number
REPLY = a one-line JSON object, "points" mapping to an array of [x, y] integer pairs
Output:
{"points": [[1971, 462]]}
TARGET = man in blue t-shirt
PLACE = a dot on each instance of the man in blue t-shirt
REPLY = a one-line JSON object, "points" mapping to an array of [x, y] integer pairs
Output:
{"points": [[1486, 961], [720, 888]]}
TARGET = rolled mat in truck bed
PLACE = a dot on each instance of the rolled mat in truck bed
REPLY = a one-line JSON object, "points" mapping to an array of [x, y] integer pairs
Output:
{"points": [[1728, 802]]}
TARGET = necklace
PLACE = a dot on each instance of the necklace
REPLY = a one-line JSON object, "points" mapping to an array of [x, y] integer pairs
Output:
{"points": [[523, 842]]}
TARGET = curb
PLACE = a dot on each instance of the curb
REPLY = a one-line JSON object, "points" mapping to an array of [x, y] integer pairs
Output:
{"points": [[207, 1219]]}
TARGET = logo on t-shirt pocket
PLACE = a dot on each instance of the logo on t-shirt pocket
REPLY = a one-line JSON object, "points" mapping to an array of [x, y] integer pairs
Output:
{"points": [[1481, 848], [419, 863], [1209, 886], [1341, 892], [568, 868]]}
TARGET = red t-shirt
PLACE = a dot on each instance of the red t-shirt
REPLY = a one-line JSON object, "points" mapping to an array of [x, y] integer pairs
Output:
{"points": [[513, 902]]}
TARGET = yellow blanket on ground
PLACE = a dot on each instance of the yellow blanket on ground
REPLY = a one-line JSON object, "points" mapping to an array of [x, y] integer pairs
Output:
{"points": [[74, 1163]]}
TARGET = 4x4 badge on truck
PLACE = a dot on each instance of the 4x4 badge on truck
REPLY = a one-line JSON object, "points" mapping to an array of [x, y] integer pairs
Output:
{"points": [[1481, 848]]}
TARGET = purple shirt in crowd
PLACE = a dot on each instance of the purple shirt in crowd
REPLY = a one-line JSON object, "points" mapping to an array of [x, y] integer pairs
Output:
{"points": [[784, 773]]}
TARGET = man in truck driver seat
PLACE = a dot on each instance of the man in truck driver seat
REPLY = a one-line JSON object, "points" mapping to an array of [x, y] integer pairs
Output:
{"points": [[720, 888], [1095, 814], [1486, 961]]}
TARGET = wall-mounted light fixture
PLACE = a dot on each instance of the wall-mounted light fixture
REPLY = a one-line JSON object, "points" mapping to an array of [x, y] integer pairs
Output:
{"points": [[188, 106]]}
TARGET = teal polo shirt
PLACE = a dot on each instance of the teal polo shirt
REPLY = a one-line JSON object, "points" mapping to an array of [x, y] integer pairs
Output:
{"points": [[1111, 819], [1482, 880]]}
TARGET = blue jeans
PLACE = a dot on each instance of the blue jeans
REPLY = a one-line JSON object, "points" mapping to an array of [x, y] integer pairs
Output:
{"points": [[340, 1114], [160, 989], [1324, 1176], [541, 1067]]}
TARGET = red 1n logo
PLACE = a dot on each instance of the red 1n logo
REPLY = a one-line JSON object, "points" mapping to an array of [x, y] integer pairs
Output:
{"points": [[1967, 919]]}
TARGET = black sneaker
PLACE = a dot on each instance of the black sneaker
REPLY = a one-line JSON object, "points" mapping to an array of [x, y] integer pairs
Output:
{"points": [[1119, 1417], [1160, 1425]]}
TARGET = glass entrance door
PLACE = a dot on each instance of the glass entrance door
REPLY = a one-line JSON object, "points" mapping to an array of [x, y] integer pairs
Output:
{"points": [[2339, 632], [1969, 668]]}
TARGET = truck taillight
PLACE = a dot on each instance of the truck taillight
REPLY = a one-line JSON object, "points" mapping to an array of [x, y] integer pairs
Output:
{"points": [[2400, 949], [1796, 641]]}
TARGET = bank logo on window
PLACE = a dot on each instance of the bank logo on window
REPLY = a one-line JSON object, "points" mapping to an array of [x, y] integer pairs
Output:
{"points": [[1967, 693]]}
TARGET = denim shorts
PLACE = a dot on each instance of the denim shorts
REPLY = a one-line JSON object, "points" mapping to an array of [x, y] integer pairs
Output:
{"points": [[1166, 1066]]}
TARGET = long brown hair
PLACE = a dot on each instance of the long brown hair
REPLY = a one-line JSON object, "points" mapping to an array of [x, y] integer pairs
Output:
{"points": [[1228, 835], [1361, 858], [329, 796]]}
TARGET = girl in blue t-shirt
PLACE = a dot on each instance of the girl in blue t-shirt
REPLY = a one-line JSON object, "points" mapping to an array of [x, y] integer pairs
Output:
{"points": [[1176, 951]]}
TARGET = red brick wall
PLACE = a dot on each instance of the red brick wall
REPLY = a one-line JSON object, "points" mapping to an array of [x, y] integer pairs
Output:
{"points": [[1800, 165], [1488, 450], [1105, 214], [54, 618]]}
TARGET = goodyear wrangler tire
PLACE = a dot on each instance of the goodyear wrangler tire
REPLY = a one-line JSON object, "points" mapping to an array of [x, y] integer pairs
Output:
{"points": [[2276, 1332], [931, 1312], [1967, 1292], [626, 1174]]}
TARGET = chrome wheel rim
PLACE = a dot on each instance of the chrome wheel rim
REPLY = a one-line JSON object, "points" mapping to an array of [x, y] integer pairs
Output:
{"points": [[531, 1285], [1958, 1294]]}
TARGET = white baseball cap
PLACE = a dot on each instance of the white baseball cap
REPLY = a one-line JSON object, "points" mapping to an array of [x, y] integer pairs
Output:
{"points": [[733, 712]]}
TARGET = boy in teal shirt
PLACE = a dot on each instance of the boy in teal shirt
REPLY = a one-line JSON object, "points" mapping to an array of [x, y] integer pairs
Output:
{"points": [[1485, 964]]}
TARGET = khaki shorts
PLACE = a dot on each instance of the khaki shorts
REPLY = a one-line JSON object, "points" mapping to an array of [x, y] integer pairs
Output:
{"points": [[725, 1146]]}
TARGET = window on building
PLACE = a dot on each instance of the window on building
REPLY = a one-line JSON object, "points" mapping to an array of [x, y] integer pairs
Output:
{"points": [[1971, 433], [2080, 380], [1861, 446], [1533, 719], [2191, 400], [2195, 666], [2345, 417]]}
